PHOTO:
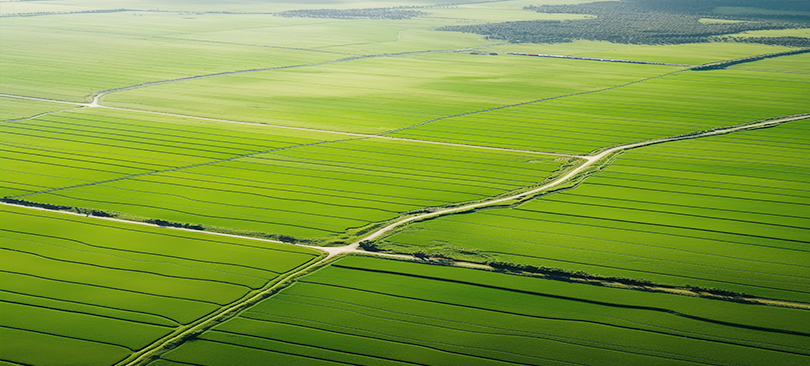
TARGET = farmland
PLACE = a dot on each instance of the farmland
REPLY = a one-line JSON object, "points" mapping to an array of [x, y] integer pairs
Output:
{"points": [[388, 182], [95, 292], [375, 312], [670, 105], [246, 177], [338, 95], [724, 212]]}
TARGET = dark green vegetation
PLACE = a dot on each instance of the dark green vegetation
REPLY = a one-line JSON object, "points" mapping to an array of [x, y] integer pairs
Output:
{"points": [[80, 291], [364, 311], [650, 22]]}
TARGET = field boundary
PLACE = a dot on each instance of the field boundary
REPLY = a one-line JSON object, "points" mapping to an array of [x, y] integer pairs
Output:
{"points": [[591, 160]]}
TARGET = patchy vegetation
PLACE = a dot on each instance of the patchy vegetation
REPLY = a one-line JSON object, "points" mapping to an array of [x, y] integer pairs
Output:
{"points": [[641, 22]]}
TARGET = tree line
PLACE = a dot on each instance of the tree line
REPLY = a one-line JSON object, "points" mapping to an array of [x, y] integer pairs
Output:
{"points": [[645, 22]]}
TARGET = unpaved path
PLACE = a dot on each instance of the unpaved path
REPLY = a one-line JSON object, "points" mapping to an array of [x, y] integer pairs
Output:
{"points": [[256, 296], [589, 161]]}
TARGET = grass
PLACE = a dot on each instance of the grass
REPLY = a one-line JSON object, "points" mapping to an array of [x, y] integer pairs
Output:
{"points": [[19, 108], [724, 212], [689, 54], [381, 94], [45, 349], [798, 32], [36, 57], [87, 146], [376, 312], [109, 289], [307, 192], [789, 64], [192, 7], [670, 105]]}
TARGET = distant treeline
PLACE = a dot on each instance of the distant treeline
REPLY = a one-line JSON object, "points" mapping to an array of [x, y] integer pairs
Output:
{"points": [[772, 41], [646, 22], [369, 13], [40, 13]]}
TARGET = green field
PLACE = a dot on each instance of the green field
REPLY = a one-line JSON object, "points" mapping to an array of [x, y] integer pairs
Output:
{"points": [[14, 108], [675, 104], [246, 177], [367, 311], [727, 211], [375, 95], [91, 292], [329, 124]]}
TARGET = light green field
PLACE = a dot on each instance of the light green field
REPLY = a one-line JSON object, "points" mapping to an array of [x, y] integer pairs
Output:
{"points": [[96, 291], [12, 108], [375, 312], [111, 57], [800, 32], [799, 64], [381, 94], [87, 146], [688, 54], [310, 191], [193, 6], [675, 104]]}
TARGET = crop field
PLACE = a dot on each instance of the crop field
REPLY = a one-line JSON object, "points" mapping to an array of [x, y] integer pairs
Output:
{"points": [[19, 108], [404, 182], [375, 95], [670, 105], [365, 311], [94, 292], [207, 174], [791, 64], [686, 54], [728, 211], [83, 147]]}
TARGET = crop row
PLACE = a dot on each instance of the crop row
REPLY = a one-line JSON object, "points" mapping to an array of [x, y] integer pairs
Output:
{"points": [[375, 95], [795, 63], [728, 212], [373, 312], [115, 163], [110, 288], [671, 105], [120, 52], [80, 147]]}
